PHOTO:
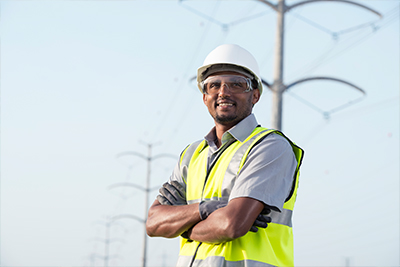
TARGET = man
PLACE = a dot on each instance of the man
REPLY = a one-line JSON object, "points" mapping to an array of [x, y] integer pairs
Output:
{"points": [[223, 185]]}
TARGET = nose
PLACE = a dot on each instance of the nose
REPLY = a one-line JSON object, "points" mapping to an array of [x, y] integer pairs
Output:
{"points": [[224, 90]]}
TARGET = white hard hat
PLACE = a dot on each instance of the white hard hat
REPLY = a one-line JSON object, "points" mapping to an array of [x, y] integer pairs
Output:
{"points": [[229, 57]]}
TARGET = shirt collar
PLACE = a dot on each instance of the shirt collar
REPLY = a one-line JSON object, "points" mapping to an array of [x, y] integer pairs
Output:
{"points": [[243, 129], [240, 131]]}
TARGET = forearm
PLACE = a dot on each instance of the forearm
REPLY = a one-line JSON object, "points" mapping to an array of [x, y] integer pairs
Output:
{"points": [[215, 229], [228, 223], [171, 221]]}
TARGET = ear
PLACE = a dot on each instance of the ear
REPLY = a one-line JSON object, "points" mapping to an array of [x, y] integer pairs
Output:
{"points": [[256, 96], [204, 99]]}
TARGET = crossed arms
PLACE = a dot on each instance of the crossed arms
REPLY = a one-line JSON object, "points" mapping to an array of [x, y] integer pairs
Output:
{"points": [[271, 165], [224, 224]]}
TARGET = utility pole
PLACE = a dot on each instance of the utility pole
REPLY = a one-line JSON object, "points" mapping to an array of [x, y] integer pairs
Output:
{"points": [[149, 158], [107, 240], [347, 261], [278, 87]]}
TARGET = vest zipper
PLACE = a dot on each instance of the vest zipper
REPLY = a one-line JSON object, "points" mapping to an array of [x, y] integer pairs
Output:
{"points": [[204, 186], [194, 255], [215, 161]]}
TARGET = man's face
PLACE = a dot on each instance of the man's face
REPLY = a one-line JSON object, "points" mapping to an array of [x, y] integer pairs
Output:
{"points": [[228, 109]]}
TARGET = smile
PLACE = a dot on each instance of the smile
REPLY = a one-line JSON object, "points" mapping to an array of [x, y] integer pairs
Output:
{"points": [[225, 104]]}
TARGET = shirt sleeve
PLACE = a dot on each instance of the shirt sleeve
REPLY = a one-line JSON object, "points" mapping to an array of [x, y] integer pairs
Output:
{"points": [[175, 176], [268, 173], [179, 174]]}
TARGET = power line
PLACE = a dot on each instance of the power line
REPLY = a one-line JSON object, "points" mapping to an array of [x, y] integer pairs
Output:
{"points": [[183, 81], [325, 57], [312, 23], [204, 16], [149, 158], [225, 25]]}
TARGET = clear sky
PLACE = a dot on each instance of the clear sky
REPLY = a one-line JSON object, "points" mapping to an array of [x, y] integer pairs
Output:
{"points": [[83, 81]]}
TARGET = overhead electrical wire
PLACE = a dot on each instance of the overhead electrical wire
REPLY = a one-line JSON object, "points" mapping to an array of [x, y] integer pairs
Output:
{"points": [[187, 109], [388, 18], [225, 27], [312, 23], [122, 202], [200, 14], [326, 114], [183, 81]]}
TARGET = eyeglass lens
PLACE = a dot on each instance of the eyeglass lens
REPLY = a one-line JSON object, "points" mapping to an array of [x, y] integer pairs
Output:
{"points": [[235, 84]]}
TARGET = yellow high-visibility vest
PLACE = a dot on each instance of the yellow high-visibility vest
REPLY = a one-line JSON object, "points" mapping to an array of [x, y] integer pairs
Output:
{"points": [[272, 246]]}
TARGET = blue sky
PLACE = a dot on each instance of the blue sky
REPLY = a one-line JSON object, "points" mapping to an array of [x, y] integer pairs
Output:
{"points": [[82, 81]]}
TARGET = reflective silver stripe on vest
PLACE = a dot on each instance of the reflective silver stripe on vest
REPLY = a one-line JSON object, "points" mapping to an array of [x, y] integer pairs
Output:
{"points": [[211, 198], [195, 201], [184, 261], [284, 217]]}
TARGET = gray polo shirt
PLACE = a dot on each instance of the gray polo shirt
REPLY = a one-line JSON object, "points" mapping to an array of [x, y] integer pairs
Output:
{"points": [[267, 174]]}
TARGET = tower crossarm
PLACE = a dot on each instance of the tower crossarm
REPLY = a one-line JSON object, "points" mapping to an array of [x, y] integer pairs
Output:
{"points": [[274, 7], [324, 78], [288, 8], [266, 83], [127, 184]]}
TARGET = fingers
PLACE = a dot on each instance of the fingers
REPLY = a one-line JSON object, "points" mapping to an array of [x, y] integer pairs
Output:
{"points": [[265, 210], [180, 188], [208, 207], [163, 200], [264, 218], [253, 229], [261, 221], [221, 204], [175, 189], [170, 192], [167, 195], [173, 194], [260, 224]]}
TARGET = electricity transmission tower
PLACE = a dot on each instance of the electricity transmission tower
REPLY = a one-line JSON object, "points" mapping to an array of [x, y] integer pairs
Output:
{"points": [[278, 87], [149, 158], [107, 240]]}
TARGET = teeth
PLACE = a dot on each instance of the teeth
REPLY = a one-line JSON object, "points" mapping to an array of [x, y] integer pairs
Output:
{"points": [[225, 104]]}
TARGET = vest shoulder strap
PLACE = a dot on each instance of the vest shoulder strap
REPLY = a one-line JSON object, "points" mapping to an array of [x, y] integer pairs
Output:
{"points": [[187, 154]]}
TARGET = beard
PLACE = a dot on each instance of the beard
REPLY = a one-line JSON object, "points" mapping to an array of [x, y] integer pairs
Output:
{"points": [[236, 117], [222, 119]]}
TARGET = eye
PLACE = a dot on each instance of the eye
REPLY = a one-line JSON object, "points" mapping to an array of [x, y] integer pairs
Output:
{"points": [[238, 83], [214, 85]]}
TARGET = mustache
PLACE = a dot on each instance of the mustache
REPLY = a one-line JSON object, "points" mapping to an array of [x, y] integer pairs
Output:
{"points": [[225, 100]]}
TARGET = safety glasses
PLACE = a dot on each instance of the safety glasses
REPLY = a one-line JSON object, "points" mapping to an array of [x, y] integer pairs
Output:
{"points": [[235, 84]]}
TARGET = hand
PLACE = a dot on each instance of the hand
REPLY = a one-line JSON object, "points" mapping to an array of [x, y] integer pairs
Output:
{"points": [[261, 220], [172, 194], [208, 207]]}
